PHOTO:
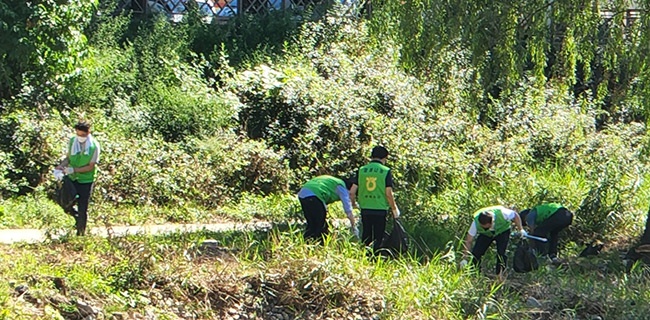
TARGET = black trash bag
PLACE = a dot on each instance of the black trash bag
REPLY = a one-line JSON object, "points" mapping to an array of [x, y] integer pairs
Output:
{"points": [[65, 194], [396, 242], [637, 253], [525, 259], [592, 249]]}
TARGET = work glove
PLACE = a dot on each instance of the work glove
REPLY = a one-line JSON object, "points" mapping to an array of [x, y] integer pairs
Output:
{"points": [[355, 231], [68, 170], [58, 174], [521, 234], [463, 263]]}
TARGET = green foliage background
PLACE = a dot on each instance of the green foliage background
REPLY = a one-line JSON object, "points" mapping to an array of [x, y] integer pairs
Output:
{"points": [[479, 103]]}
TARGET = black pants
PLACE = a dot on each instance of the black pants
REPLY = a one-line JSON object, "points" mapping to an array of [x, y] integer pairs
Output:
{"points": [[483, 242], [81, 214], [550, 229], [374, 226], [314, 211]]}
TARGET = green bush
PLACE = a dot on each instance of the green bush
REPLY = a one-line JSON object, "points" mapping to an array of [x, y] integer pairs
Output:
{"points": [[208, 172], [42, 44], [183, 111], [32, 144]]}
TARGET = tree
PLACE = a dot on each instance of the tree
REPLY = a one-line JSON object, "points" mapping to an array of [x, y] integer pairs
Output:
{"points": [[41, 42]]}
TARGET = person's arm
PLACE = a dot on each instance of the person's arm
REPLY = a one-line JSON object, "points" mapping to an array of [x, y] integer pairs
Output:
{"points": [[64, 163], [353, 195], [86, 168], [471, 233], [467, 246], [391, 202], [353, 190], [389, 194], [517, 221], [344, 195]]}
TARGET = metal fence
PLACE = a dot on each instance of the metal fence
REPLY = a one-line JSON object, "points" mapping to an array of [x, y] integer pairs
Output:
{"points": [[225, 9], [630, 16]]}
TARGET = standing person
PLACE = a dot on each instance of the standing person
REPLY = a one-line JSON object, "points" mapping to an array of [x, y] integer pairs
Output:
{"points": [[546, 221], [314, 197], [374, 183], [80, 167], [491, 224]]}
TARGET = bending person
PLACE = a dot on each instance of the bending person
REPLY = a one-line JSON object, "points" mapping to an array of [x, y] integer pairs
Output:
{"points": [[491, 224], [546, 221], [314, 197]]}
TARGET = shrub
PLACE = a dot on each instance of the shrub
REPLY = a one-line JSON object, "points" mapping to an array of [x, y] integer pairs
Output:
{"points": [[31, 143], [208, 172]]}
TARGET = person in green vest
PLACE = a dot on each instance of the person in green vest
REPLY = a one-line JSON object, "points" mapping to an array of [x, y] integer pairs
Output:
{"points": [[491, 224], [80, 166], [546, 221], [374, 185], [315, 195]]}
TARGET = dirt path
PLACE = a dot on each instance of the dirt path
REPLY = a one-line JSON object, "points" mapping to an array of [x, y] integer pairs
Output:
{"points": [[9, 236]]}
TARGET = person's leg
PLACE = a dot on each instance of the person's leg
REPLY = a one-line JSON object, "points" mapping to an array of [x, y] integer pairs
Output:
{"points": [[559, 221], [542, 230], [366, 232], [68, 197], [71, 210], [481, 245], [84, 190], [502, 240], [314, 212], [305, 204], [378, 230], [321, 223]]}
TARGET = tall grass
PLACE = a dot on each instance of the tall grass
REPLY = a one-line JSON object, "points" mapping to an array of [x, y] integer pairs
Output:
{"points": [[258, 272]]}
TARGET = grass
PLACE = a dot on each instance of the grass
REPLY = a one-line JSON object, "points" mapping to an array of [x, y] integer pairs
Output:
{"points": [[38, 211], [258, 274], [255, 274]]}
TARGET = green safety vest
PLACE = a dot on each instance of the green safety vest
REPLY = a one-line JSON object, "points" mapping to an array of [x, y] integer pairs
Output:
{"points": [[546, 210], [81, 160], [500, 223], [372, 186], [324, 187]]}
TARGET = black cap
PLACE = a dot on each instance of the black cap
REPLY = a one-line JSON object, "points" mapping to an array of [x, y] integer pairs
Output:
{"points": [[82, 125], [379, 152]]}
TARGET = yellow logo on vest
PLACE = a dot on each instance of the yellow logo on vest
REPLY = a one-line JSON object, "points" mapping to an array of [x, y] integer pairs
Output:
{"points": [[371, 183]]}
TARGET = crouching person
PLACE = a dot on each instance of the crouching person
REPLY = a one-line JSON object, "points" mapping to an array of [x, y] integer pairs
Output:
{"points": [[314, 197], [491, 224], [546, 221]]}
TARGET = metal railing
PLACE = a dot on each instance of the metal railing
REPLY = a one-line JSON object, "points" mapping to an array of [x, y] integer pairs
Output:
{"points": [[629, 16], [225, 9]]}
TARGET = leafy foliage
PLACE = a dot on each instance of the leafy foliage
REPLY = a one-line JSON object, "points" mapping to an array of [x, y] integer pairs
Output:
{"points": [[507, 102], [42, 43]]}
